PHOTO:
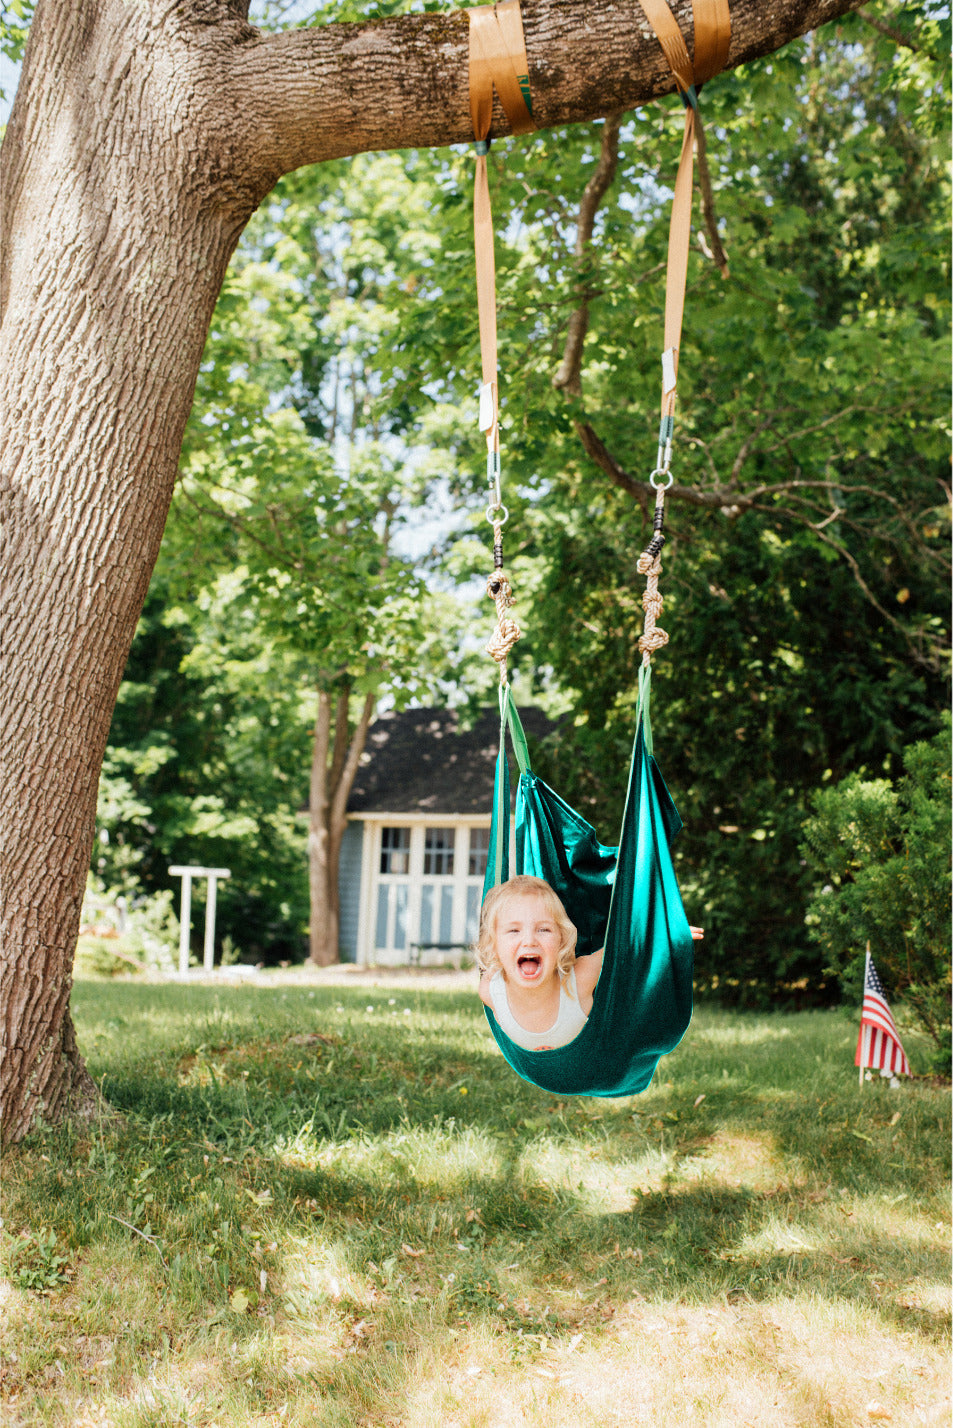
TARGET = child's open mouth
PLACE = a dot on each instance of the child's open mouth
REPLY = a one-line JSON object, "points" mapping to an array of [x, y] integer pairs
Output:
{"points": [[528, 964]]}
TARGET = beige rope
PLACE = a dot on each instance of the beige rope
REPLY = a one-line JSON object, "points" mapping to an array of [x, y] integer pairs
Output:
{"points": [[650, 564], [507, 631], [653, 636]]}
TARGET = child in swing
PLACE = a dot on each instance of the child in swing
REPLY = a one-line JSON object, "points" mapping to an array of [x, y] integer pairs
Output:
{"points": [[539, 993]]}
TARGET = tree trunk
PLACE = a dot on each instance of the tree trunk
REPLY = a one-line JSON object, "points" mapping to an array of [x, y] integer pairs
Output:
{"points": [[323, 936], [141, 140], [327, 819]]}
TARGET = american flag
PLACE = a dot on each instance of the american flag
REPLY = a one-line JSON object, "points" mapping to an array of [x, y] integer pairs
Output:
{"points": [[878, 1045]]}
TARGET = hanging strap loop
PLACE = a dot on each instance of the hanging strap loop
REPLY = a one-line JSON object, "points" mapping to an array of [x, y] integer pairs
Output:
{"points": [[712, 41], [712, 22], [497, 61]]}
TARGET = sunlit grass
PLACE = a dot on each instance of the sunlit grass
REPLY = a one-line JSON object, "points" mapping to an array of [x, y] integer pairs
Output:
{"points": [[323, 1207]]}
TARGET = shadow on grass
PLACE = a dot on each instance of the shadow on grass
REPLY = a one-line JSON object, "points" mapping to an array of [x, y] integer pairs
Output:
{"points": [[694, 1242], [390, 1173]]}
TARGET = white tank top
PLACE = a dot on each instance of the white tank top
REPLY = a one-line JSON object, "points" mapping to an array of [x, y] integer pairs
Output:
{"points": [[569, 1022]]}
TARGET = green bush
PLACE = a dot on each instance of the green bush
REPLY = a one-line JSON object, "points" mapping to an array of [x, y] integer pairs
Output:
{"points": [[884, 855], [133, 931], [103, 957]]}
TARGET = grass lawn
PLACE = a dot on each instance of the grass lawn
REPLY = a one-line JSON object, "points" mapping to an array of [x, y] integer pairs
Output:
{"points": [[328, 1206]]}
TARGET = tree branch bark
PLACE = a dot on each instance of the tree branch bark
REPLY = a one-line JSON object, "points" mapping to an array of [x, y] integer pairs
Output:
{"points": [[401, 83], [718, 254], [330, 788], [568, 376]]}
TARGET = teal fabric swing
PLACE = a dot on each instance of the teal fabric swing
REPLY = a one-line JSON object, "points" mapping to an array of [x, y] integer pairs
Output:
{"points": [[625, 899]]}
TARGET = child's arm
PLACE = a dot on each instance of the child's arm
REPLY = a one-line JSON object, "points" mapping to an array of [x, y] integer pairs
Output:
{"points": [[485, 997], [587, 974]]}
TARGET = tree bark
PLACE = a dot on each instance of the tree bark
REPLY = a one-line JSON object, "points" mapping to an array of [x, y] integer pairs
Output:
{"points": [[334, 765], [141, 140]]}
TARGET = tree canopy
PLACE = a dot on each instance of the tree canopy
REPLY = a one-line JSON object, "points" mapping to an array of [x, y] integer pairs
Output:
{"points": [[805, 575]]}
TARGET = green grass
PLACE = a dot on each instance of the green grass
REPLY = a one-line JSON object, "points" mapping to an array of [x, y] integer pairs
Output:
{"points": [[338, 1207]]}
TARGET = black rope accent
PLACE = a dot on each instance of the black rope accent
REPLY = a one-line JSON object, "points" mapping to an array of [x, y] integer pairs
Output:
{"points": [[654, 546]]}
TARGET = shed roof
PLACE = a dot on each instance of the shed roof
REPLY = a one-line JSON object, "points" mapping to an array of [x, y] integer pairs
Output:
{"points": [[421, 761]]}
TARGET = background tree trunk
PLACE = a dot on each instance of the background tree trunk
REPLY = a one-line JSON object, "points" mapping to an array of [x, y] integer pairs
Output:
{"points": [[331, 783], [141, 140]]}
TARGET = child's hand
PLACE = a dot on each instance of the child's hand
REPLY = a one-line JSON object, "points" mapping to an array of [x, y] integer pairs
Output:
{"points": [[697, 933]]}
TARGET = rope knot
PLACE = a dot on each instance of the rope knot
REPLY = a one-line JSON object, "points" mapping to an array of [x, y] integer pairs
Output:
{"points": [[499, 590], [507, 631], [653, 637]]}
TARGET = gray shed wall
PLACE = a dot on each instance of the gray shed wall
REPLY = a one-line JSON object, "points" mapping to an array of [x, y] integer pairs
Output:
{"points": [[349, 884]]}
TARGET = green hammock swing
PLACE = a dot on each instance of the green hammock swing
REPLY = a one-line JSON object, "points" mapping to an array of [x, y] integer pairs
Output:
{"points": [[624, 899]]}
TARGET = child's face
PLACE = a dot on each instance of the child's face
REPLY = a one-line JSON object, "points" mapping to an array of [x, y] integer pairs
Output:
{"points": [[527, 940]]}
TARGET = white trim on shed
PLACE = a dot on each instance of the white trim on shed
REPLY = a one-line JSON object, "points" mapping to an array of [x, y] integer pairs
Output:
{"points": [[420, 888]]}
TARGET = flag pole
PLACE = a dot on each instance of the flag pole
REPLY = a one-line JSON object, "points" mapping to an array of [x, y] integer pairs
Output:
{"points": [[866, 965]]}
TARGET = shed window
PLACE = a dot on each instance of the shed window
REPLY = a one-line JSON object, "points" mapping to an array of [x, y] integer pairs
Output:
{"points": [[395, 850], [438, 852], [479, 851]]}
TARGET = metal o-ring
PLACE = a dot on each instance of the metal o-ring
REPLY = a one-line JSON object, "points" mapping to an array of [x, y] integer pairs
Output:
{"points": [[497, 520], [659, 484]]}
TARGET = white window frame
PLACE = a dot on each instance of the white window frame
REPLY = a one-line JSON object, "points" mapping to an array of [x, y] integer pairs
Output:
{"points": [[371, 879]]}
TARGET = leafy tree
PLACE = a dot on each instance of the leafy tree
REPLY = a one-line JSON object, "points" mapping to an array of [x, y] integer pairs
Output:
{"points": [[280, 545], [129, 173], [806, 575], [210, 744], [883, 850]]}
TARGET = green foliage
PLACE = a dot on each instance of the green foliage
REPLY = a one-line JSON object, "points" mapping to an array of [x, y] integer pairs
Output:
{"points": [[132, 930], [100, 957], [805, 583], [34, 1261], [883, 851], [15, 17], [772, 685], [282, 570], [209, 746]]}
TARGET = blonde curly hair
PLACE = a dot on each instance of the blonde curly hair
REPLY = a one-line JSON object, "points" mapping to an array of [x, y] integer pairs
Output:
{"points": [[493, 906]]}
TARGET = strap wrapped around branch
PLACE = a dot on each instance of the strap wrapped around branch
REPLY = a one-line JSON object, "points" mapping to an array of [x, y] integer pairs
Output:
{"points": [[712, 41], [497, 62]]}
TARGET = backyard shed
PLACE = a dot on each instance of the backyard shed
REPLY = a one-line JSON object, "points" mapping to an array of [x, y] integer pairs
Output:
{"points": [[415, 849]]}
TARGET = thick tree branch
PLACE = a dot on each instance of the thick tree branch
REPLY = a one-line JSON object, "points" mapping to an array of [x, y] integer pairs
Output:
{"points": [[314, 94], [339, 755], [351, 763]]}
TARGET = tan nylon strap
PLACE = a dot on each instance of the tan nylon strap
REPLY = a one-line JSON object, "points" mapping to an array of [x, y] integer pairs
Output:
{"points": [[712, 39], [676, 273], [486, 297], [712, 24], [497, 60], [669, 36]]}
